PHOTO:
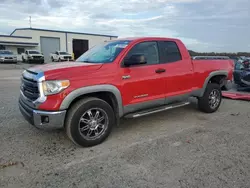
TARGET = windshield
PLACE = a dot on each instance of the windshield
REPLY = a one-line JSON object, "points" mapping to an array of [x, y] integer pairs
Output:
{"points": [[63, 53], [239, 66], [104, 53], [34, 52], [6, 52]]}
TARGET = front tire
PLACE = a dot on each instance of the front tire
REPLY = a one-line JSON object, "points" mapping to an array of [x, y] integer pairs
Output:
{"points": [[211, 99], [89, 122]]}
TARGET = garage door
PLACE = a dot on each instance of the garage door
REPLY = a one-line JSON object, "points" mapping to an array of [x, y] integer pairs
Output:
{"points": [[49, 45]]}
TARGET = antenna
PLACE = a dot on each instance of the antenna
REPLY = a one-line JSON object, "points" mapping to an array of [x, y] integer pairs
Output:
{"points": [[30, 21]]}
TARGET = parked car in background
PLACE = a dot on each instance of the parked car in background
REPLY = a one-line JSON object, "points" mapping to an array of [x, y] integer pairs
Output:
{"points": [[32, 56], [7, 56], [235, 58], [241, 75], [60, 56], [129, 78]]}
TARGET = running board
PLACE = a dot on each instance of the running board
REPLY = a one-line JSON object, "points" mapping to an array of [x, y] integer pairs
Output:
{"points": [[155, 110]]}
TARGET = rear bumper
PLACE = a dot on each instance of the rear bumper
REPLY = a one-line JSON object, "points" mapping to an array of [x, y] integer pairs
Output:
{"points": [[228, 84], [42, 119]]}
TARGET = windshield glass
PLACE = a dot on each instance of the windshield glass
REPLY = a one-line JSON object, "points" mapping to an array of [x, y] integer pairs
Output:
{"points": [[63, 53], [239, 66], [104, 53], [34, 52], [6, 52]]}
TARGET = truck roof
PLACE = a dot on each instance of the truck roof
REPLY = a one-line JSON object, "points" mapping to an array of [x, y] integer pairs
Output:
{"points": [[146, 38]]}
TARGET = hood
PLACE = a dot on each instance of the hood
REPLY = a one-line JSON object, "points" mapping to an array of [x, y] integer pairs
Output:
{"points": [[65, 70]]}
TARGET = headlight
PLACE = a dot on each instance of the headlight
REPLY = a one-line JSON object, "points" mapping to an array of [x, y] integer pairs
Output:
{"points": [[55, 86], [30, 57], [1, 57]]}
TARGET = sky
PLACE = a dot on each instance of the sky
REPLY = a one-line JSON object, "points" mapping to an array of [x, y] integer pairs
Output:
{"points": [[203, 25]]}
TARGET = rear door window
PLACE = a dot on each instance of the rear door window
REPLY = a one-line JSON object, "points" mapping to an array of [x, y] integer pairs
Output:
{"points": [[169, 52]]}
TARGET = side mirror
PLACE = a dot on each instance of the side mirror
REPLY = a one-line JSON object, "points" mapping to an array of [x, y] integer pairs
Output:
{"points": [[136, 59]]}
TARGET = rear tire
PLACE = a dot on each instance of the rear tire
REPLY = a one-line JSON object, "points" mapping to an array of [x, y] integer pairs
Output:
{"points": [[211, 99], [82, 129]]}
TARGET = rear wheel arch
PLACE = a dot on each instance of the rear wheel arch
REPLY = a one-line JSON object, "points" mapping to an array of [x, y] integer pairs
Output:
{"points": [[214, 77]]}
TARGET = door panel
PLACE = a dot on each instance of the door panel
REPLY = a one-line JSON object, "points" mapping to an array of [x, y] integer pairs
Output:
{"points": [[143, 87], [179, 71]]}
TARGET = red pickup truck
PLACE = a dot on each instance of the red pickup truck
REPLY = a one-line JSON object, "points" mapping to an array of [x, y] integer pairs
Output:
{"points": [[130, 77]]}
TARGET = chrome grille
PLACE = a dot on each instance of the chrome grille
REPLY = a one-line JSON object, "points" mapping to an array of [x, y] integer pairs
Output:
{"points": [[29, 87], [67, 57], [37, 57], [8, 58]]}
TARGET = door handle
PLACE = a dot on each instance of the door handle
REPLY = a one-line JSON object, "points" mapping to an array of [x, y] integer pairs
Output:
{"points": [[158, 71]]}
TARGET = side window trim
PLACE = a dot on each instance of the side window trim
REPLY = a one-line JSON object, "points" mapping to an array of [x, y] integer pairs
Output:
{"points": [[162, 52], [158, 53]]}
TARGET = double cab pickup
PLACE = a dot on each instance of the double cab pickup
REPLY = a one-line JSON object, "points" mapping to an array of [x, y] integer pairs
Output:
{"points": [[129, 77]]}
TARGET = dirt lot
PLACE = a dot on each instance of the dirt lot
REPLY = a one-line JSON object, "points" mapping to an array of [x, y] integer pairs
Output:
{"points": [[177, 148]]}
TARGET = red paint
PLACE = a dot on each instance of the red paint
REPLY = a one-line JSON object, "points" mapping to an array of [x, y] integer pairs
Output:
{"points": [[180, 77], [236, 95]]}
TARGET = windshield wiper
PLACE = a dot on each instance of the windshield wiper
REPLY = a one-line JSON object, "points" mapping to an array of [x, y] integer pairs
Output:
{"points": [[86, 61]]}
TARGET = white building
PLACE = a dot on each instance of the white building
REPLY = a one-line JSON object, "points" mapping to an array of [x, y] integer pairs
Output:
{"points": [[48, 41]]}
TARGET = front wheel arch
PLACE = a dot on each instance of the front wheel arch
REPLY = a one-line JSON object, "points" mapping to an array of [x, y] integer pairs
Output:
{"points": [[99, 91]]}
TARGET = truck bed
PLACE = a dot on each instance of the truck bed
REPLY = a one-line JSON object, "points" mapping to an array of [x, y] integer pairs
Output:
{"points": [[202, 68]]}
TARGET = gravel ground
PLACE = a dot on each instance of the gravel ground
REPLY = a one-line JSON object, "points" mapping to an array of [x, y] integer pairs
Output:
{"points": [[178, 148]]}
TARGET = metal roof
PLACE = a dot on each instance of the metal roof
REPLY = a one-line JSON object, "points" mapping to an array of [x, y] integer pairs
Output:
{"points": [[60, 31], [19, 43], [15, 36]]}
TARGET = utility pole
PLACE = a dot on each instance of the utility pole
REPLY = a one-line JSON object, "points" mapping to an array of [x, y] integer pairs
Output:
{"points": [[30, 21]]}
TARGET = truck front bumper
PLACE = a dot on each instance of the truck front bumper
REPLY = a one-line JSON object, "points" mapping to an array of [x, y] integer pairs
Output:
{"points": [[36, 60], [8, 60], [42, 119]]}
